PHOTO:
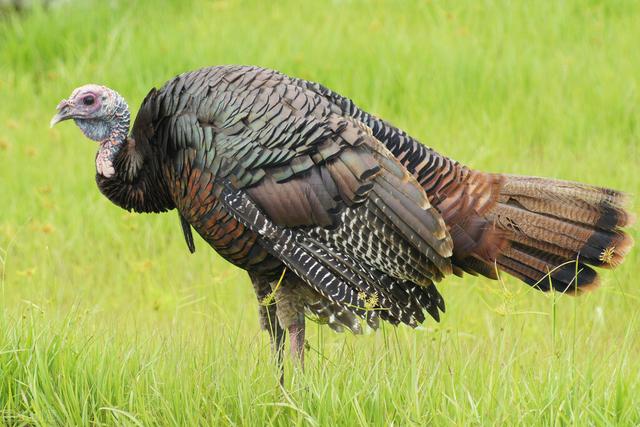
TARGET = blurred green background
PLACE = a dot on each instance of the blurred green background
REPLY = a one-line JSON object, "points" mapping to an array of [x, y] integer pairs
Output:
{"points": [[107, 319]]}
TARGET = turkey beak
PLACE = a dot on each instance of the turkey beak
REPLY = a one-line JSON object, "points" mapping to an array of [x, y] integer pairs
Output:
{"points": [[64, 110]]}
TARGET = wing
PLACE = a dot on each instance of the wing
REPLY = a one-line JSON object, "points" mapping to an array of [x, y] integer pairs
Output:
{"points": [[461, 195]]}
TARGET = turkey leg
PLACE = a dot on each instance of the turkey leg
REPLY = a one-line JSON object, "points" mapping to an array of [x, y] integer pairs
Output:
{"points": [[269, 318], [296, 337]]}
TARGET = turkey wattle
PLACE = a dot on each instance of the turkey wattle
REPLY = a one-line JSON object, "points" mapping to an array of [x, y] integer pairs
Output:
{"points": [[274, 171]]}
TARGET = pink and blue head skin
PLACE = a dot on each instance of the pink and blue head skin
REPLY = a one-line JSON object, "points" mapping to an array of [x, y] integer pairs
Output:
{"points": [[102, 115]]}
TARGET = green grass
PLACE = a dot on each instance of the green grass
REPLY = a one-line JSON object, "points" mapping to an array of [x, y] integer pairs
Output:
{"points": [[106, 318]]}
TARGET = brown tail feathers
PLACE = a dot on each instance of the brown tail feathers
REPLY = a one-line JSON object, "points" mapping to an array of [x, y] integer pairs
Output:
{"points": [[548, 233]]}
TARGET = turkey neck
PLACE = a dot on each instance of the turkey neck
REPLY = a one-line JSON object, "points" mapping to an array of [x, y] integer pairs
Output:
{"points": [[128, 172], [115, 142]]}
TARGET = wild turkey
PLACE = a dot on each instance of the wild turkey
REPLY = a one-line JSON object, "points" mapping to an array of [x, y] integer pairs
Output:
{"points": [[274, 171]]}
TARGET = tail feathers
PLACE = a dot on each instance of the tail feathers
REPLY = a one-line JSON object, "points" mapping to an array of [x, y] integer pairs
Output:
{"points": [[555, 230], [596, 246], [546, 272], [594, 206]]}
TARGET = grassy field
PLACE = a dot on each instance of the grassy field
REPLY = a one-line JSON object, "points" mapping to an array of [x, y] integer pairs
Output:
{"points": [[107, 319]]}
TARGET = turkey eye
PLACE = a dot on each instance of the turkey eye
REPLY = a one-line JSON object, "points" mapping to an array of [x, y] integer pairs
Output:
{"points": [[88, 100]]}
